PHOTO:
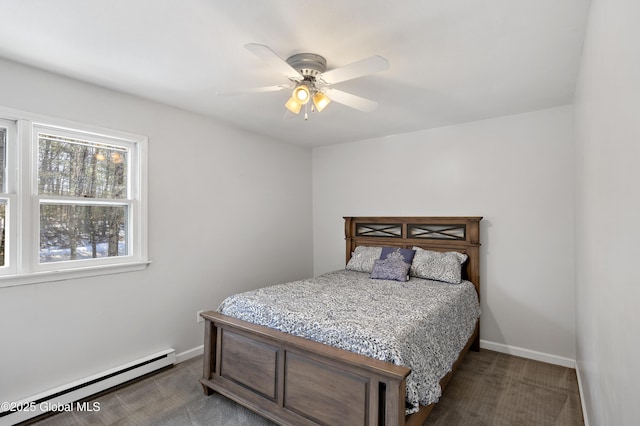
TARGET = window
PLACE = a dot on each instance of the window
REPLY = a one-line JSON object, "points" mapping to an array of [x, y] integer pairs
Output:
{"points": [[7, 197], [72, 201], [4, 130]]}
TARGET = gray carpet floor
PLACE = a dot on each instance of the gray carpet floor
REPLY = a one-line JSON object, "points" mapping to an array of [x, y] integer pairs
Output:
{"points": [[489, 388]]}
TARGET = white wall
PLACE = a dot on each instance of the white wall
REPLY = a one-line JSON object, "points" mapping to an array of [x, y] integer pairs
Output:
{"points": [[227, 211], [515, 171], [607, 168]]}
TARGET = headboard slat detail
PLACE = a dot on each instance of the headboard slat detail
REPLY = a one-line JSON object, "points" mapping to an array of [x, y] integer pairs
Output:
{"points": [[437, 232], [393, 230]]}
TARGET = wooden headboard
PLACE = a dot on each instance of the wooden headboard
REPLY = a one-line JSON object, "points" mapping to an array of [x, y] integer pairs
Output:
{"points": [[460, 234]]}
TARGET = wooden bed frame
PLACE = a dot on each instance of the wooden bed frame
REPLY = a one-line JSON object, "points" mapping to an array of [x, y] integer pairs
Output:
{"points": [[295, 381]]}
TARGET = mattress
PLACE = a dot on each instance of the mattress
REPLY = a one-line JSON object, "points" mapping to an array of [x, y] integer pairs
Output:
{"points": [[420, 324]]}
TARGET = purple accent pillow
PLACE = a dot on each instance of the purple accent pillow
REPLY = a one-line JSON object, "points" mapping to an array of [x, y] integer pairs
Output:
{"points": [[391, 269], [394, 264], [406, 255]]}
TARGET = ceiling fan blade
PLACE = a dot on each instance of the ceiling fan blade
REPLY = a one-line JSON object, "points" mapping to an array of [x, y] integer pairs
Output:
{"points": [[356, 69], [266, 54], [350, 100], [255, 90]]}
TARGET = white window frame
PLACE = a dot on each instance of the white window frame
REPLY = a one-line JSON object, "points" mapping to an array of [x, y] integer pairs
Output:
{"points": [[22, 241], [10, 198]]}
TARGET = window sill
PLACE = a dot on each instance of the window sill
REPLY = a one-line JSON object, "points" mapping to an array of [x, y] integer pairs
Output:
{"points": [[69, 274]]}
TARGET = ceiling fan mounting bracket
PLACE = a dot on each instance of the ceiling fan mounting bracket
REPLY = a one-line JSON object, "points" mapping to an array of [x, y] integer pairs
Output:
{"points": [[308, 64]]}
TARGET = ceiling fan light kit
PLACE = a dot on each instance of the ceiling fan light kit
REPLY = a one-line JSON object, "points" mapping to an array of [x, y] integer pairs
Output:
{"points": [[320, 100], [302, 93], [293, 105], [308, 71]]}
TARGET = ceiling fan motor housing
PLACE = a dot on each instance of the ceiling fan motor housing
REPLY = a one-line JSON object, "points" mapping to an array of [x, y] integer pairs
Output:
{"points": [[308, 64]]}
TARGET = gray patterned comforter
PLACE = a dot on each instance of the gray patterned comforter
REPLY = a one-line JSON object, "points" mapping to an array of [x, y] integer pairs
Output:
{"points": [[420, 324]]}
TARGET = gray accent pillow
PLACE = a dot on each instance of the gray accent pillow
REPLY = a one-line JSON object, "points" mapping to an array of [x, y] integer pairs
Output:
{"points": [[439, 266], [391, 269], [362, 258]]}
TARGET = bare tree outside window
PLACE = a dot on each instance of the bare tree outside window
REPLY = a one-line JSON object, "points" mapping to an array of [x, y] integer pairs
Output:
{"points": [[80, 183]]}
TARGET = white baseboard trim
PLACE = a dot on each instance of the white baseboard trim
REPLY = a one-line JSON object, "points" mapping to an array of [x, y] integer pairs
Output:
{"points": [[581, 392], [190, 353], [528, 353]]}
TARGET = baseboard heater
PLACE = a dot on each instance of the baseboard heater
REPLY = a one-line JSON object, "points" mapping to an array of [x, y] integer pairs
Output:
{"points": [[65, 398]]}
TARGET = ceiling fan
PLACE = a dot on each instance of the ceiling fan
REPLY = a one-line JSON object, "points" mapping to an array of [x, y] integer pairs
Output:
{"points": [[310, 81]]}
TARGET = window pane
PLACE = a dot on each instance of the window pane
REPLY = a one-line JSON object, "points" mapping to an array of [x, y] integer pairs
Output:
{"points": [[73, 232], [3, 150], [77, 168]]}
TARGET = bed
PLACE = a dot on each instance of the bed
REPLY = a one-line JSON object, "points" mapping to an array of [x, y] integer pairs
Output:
{"points": [[294, 380]]}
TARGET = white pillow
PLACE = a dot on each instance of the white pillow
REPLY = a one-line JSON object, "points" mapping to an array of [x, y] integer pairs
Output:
{"points": [[363, 258], [439, 266]]}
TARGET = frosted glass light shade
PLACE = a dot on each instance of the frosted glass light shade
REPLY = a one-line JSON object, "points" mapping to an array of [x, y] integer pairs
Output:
{"points": [[301, 94], [293, 105], [320, 100]]}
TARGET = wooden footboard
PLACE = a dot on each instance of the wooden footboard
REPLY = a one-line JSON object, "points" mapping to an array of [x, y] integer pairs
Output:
{"points": [[295, 381]]}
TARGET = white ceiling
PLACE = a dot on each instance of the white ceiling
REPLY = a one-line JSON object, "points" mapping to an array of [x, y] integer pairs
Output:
{"points": [[451, 61]]}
